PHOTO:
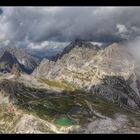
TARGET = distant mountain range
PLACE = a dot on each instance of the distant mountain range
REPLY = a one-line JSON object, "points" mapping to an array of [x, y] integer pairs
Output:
{"points": [[46, 49], [10, 56]]}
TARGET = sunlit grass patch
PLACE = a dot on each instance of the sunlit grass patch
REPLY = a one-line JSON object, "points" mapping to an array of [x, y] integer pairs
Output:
{"points": [[59, 84]]}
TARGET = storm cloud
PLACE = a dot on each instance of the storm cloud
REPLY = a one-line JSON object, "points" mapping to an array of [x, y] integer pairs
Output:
{"points": [[36, 24]]}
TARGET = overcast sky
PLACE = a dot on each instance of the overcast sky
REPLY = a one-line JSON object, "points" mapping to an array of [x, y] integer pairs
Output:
{"points": [[35, 24]]}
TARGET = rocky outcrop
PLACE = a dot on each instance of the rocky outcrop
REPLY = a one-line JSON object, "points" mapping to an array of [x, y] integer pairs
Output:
{"points": [[118, 91], [16, 69], [44, 68]]}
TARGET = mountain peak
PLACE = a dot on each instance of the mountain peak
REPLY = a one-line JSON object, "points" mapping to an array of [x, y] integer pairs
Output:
{"points": [[78, 43], [7, 57], [83, 43]]}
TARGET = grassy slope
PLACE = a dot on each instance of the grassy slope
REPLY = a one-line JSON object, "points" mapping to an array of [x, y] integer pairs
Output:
{"points": [[58, 84]]}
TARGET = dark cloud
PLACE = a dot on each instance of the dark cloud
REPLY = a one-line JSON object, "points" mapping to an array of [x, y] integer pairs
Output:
{"points": [[68, 23], [1, 11]]}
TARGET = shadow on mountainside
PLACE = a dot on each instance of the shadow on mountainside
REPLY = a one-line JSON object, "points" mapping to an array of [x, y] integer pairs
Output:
{"points": [[117, 90]]}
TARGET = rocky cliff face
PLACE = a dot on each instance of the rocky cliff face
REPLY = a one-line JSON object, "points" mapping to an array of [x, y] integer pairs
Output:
{"points": [[111, 73], [10, 56], [6, 61], [73, 56], [16, 69], [44, 68]]}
